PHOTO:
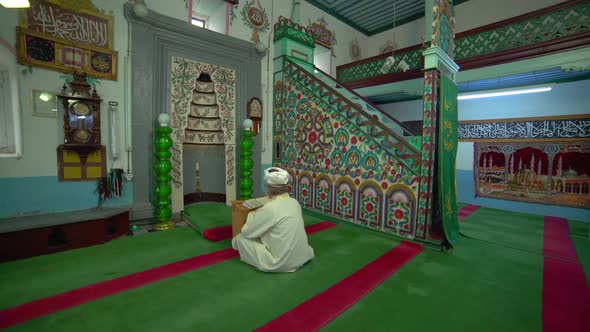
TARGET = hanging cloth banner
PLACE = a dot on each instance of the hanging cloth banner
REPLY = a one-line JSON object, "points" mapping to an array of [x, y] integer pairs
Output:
{"points": [[447, 153]]}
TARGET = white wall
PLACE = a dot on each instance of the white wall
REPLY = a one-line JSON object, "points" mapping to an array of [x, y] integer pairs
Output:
{"points": [[564, 99], [42, 135], [468, 15]]}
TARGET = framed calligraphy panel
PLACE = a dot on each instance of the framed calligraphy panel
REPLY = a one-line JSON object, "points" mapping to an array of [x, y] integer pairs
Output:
{"points": [[67, 35], [52, 53], [79, 25], [570, 127]]}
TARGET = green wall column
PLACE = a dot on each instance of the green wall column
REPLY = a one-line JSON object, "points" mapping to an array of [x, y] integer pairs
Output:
{"points": [[246, 161], [162, 168]]}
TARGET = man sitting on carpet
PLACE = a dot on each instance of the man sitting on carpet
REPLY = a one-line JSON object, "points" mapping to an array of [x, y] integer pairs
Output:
{"points": [[273, 238]]}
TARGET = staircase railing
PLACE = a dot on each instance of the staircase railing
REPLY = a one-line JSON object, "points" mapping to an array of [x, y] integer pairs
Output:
{"points": [[384, 129]]}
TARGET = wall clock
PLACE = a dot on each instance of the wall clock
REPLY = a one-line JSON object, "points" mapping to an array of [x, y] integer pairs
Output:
{"points": [[81, 109], [255, 113]]}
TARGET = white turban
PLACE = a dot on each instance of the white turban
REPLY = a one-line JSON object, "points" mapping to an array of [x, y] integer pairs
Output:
{"points": [[276, 176]]}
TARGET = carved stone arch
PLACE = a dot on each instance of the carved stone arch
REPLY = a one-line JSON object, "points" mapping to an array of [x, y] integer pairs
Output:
{"points": [[203, 111], [155, 40]]}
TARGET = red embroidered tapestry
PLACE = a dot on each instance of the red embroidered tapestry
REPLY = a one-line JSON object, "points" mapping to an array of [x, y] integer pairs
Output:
{"points": [[553, 173]]}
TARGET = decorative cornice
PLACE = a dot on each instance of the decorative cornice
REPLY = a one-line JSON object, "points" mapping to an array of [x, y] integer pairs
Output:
{"points": [[579, 66], [168, 25], [436, 58], [285, 28]]}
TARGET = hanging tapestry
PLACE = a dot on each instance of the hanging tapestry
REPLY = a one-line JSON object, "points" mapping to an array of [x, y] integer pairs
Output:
{"points": [[554, 173], [447, 154]]}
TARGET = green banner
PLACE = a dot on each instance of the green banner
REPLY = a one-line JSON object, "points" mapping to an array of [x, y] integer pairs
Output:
{"points": [[447, 153]]}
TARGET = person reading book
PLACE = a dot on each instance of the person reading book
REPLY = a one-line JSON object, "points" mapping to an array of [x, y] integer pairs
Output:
{"points": [[273, 238]]}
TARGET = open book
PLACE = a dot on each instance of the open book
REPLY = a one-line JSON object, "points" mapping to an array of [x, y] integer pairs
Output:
{"points": [[255, 203]]}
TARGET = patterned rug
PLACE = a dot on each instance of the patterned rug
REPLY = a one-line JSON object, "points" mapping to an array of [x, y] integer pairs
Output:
{"points": [[554, 173]]}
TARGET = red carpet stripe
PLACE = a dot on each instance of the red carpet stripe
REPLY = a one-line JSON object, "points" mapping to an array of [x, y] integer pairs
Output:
{"points": [[48, 305], [324, 307], [51, 304], [224, 232], [566, 295], [556, 240], [467, 210], [321, 226], [216, 234]]}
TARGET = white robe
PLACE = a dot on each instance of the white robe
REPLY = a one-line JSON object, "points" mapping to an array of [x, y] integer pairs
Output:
{"points": [[273, 238]]}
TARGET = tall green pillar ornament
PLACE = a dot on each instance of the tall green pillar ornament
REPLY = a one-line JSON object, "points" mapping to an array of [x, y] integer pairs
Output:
{"points": [[162, 168], [246, 161]]}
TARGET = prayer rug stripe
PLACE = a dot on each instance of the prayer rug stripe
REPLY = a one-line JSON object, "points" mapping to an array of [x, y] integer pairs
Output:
{"points": [[556, 240], [324, 307], [224, 232], [48, 305], [216, 234], [467, 210], [51, 304], [566, 295]]}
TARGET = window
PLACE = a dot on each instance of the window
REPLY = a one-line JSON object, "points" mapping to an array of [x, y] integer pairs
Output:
{"points": [[10, 130], [199, 22]]}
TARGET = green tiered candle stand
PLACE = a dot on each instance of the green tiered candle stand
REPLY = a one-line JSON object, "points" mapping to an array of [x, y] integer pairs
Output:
{"points": [[162, 168], [246, 162]]}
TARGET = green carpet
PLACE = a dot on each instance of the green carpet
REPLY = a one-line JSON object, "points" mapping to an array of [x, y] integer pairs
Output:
{"points": [[230, 296], [515, 230], [29, 279], [203, 216], [579, 236], [479, 287], [491, 281], [207, 215]]}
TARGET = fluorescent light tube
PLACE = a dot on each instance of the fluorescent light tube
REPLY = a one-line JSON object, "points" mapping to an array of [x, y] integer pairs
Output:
{"points": [[499, 93], [15, 3]]}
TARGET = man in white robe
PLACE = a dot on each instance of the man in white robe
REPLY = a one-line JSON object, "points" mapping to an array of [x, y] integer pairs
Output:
{"points": [[273, 238]]}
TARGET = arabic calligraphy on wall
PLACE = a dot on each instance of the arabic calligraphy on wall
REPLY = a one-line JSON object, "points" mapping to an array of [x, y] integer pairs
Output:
{"points": [[66, 37], [81, 26], [575, 127]]}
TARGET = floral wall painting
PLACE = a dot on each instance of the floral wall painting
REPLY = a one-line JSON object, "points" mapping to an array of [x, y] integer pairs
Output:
{"points": [[388, 47], [355, 50], [255, 18], [554, 173], [203, 111]]}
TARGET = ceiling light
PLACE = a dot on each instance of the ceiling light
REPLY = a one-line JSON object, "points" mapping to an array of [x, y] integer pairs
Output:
{"points": [[389, 62], [504, 92], [15, 3]]}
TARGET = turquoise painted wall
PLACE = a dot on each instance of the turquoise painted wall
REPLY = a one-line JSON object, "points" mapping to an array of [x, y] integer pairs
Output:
{"points": [[45, 194], [565, 99]]}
